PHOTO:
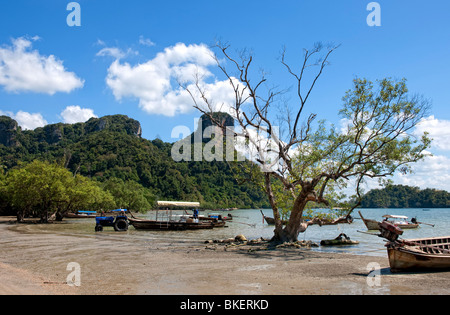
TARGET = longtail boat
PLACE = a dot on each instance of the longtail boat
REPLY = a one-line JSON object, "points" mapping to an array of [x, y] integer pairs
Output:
{"points": [[271, 221], [173, 225], [420, 254], [401, 221], [397, 220], [170, 222], [415, 254]]}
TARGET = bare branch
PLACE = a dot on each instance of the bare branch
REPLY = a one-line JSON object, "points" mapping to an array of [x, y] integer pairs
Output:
{"points": [[322, 63]]}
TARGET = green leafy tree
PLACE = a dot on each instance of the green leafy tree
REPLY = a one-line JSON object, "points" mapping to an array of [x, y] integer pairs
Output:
{"points": [[43, 189], [38, 188], [400, 196], [3, 192], [84, 193], [130, 195]]}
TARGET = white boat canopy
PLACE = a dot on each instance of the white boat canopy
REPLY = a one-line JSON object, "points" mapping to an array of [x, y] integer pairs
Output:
{"points": [[395, 216], [178, 204]]}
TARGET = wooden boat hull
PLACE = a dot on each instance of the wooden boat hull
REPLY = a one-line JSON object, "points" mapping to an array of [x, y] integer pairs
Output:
{"points": [[171, 226], [401, 259], [408, 226], [271, 221], [370, 224], [218, 224], [420, 254], [214, 219], [374, 225]]}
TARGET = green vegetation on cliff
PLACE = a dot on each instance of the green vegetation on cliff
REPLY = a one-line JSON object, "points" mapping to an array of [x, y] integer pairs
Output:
{"points": [[400, 196], [111, 152]]}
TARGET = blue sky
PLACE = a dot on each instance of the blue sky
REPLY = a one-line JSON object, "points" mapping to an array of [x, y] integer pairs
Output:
{"points": [[120, 40]]}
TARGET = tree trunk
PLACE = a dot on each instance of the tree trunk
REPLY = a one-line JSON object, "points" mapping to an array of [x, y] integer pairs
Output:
{"points": [[273, 204], [20, 215], [295, 225], [59, 216], [44, 217]]}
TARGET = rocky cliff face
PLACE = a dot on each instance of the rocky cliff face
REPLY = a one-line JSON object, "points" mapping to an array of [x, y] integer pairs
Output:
{"points": [[205, 122], [119, 123], [8, 131], [182, 149], [53, 134]]}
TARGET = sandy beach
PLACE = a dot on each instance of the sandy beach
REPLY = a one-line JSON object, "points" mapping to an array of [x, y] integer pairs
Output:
{"points": [[35, 263]]}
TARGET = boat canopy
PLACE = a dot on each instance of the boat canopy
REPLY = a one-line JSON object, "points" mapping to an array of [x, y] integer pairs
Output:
{"points": [[178, 204], [395, 216]]}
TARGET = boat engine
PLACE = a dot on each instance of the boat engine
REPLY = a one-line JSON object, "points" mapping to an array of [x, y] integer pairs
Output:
{"points": [[389, 231]]}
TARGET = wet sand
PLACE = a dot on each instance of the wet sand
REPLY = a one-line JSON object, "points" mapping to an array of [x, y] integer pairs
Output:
{"points": [[34, 262]]}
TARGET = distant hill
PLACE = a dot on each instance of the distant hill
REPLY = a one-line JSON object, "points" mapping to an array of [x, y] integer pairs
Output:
{"points": [[113, 147], [400, 196]]}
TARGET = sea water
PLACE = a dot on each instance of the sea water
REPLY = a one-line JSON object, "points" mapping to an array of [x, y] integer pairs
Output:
{"points": [[371, 244], [251, 224], [368, 244]]}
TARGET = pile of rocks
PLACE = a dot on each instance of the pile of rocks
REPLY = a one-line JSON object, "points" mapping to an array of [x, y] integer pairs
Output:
{"points": [[241, 240], [238, 239], [298, 244]]}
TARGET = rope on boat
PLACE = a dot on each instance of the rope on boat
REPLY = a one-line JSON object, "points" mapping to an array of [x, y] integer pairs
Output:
{"points": [[251, 225]]}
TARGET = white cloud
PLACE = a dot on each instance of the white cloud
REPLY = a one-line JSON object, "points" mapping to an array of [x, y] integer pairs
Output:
{"points": [[26, 120], [25, 70], [439, 131], [146, 41], [76, 114], [116, 53], [432, 172], [111, 51], [155, 82]]}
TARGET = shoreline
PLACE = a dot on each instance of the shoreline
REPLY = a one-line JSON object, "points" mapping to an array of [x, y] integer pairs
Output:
{"points": [[36, 264]]}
